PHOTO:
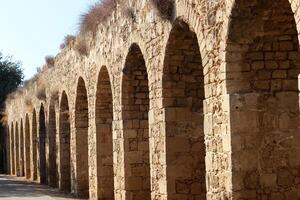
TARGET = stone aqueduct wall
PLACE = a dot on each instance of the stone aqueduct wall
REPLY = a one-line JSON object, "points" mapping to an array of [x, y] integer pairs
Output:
{"points": [[203, 107]]}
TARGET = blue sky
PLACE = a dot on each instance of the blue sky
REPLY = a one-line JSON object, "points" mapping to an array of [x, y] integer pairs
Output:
{"points": [[33, 29]]}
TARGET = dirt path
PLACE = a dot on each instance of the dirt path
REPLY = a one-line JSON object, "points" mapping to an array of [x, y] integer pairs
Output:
{"points": [[19, 188]]}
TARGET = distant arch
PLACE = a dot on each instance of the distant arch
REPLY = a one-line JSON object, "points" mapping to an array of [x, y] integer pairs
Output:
{"points": [[34, 145], [22, 149], [12, 149], [104, 118], [42, 146], [52, 165], [81, 125], [27, 148], [64, 144], [17, 149]]}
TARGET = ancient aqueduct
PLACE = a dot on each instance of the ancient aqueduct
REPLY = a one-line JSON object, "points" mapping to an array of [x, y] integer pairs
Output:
{"points": [[204, 106]]}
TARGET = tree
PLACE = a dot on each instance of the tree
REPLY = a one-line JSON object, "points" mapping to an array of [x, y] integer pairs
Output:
{"points": [[11, 77]]}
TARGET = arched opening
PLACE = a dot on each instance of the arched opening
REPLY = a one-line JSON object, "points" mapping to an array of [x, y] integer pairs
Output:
{"points": [[104, 118], [64, 145], [22, 149], [81, 125], [135, 107], [183, 96], [34, 146], [17, 149], [52, 166], [262, 67], [42, 146], [12, 150], [27, 148]]}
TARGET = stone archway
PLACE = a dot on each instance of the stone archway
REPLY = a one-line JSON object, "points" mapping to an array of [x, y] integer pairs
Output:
{"points": [[52, 150], [183, 96], [64, 144], [27, 148], [262, 69], [12, 149], [22, 161], [135, 103], [104, 118], [34, 146], [42, 147], [17, 149], [81, 134]]}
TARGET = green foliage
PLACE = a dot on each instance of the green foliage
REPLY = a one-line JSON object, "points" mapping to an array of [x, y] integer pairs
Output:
{"points": [[11, 76]]}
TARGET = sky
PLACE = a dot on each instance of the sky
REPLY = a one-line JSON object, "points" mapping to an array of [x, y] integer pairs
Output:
{"points": [[33, 29]]}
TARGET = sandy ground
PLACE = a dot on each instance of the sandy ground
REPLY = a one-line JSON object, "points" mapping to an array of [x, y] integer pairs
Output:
{"points": [[19, 188]]}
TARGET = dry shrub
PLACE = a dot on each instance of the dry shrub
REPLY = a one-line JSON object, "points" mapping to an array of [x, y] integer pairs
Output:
{"points": [[97, 14], [41, 93], [81, 46], [50, 61], [69, 41], [130, 13], [164, 7]]}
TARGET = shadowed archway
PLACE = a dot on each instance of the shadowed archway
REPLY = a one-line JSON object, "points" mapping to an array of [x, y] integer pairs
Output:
{"points": [[22, 149], [183, 97], [51, 160], [81, 134], [42, 146], [104, 118], [135, 102], [262, 67], [64, 144], [12, 150], [34, 146], [27, 148]]}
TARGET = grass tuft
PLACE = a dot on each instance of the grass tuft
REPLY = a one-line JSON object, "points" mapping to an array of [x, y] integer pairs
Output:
{"points": [[97, 14], [69, 41], [50, 61]]}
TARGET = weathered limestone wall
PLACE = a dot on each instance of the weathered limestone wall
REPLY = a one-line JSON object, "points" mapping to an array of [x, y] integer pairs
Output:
{"points": [[170, 110]]}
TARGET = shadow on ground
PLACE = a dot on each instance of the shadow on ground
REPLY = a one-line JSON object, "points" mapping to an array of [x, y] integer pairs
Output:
{"points": [[11, 187]]}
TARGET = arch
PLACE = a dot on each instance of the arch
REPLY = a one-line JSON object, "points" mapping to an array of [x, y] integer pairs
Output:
{"points": [[12, 149], [52, 165], [27, 147], [104, 118], [81, 125], [183, 96], [22, 149], [135, 107], [42, 146], [17, 150], [34, 146], [262, 67], [64, 144]]}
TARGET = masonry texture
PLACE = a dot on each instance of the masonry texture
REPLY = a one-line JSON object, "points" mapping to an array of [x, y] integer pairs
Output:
{"points": [[202, 106]]}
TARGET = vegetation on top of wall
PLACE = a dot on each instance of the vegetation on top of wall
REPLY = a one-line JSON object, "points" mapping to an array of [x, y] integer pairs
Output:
{"points": [[165, 8], [81, 46], [41, 93], [97, 14], [69, 41], [50, 61], [130, 13]]}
